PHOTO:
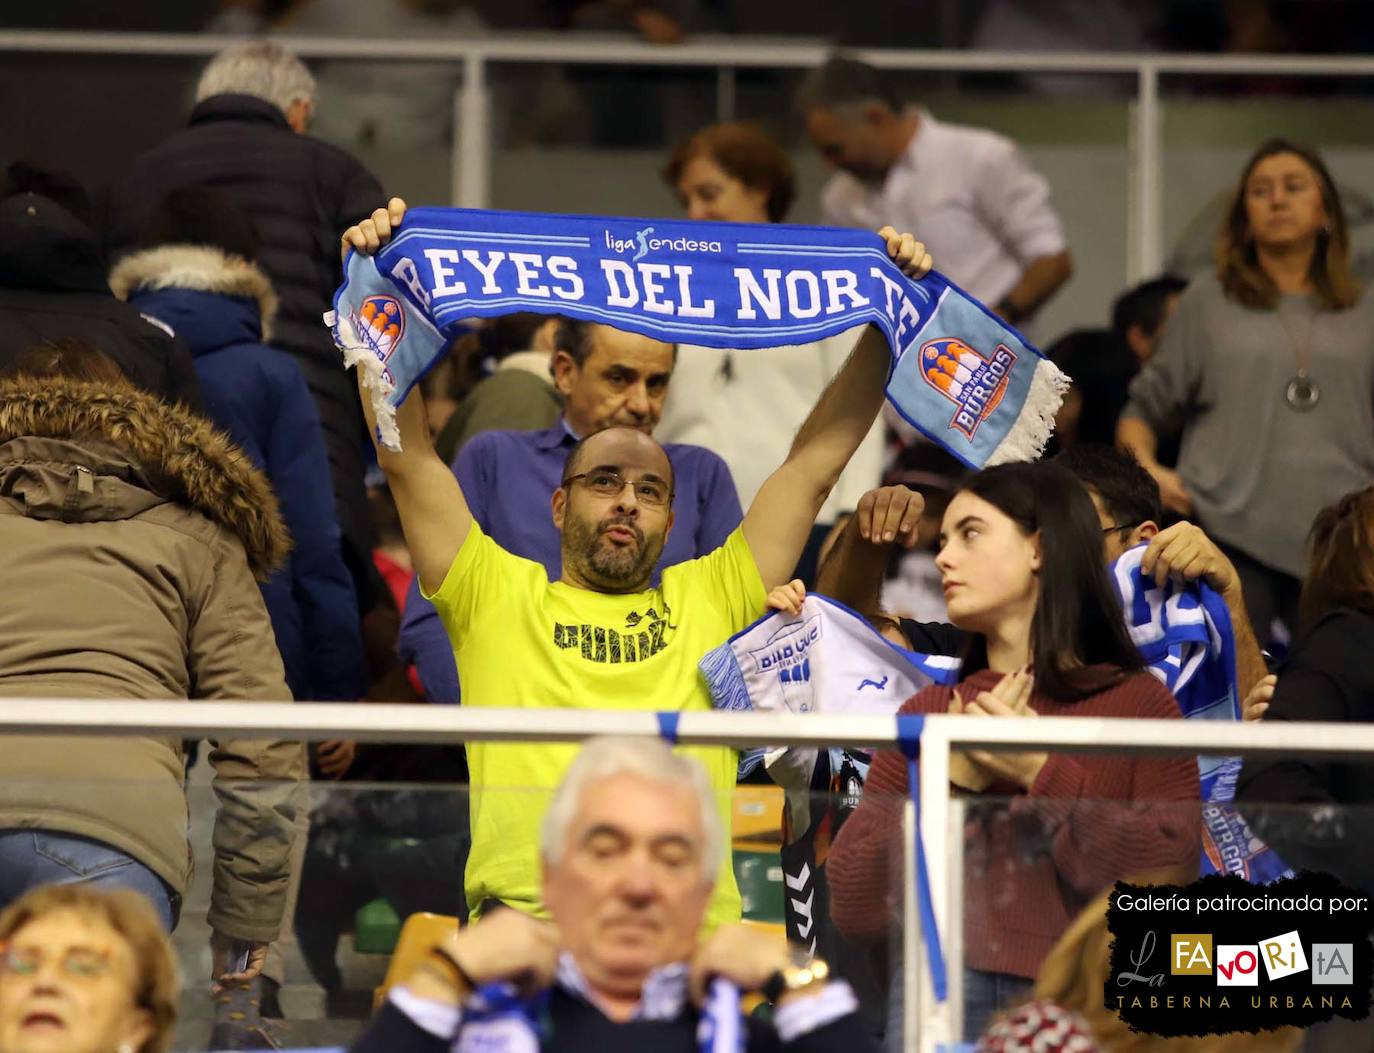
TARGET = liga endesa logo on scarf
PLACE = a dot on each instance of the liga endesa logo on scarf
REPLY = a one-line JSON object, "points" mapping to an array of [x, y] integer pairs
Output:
{"points": [[1223, 955]]}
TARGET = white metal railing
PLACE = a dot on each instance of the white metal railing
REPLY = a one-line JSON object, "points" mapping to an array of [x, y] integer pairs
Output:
{"points": [[472, 141], [941, 823]]}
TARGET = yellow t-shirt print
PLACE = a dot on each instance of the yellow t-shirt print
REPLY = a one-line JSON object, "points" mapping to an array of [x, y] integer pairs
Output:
{"points": [[523, 641]]}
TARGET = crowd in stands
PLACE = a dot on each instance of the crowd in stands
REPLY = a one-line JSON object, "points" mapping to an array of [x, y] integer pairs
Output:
{"points": [[194, 505]]}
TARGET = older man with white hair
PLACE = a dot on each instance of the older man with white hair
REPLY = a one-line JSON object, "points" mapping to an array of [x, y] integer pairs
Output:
{"points": [[246, 136], [631, 844]]}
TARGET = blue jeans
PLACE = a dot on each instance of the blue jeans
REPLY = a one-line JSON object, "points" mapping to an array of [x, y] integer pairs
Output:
{"points": [[985, 995], [30, 858]]}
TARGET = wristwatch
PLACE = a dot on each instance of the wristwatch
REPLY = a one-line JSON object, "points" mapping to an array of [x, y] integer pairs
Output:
{"points": [[804, 971]]}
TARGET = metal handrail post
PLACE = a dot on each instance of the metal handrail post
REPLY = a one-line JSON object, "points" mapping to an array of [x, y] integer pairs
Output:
{"points": [[472, 134], [1147, 178]]}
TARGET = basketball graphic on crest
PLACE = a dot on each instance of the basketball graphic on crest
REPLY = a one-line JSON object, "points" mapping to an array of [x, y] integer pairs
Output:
{"points": [[975, 384], [383, 322]]}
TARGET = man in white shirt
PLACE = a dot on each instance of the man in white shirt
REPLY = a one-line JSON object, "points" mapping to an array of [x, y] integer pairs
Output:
{"points": [[978, 203]]}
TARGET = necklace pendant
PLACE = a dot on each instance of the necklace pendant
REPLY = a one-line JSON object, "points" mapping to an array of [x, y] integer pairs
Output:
{"points": [[1302, 394]]}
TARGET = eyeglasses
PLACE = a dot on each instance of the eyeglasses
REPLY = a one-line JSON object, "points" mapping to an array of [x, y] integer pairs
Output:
{"points": [[607, 482], [1118, 528], [80, 963]]}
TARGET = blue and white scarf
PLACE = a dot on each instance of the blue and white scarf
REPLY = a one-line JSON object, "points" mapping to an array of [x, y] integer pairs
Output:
{"points": [[828, 659], [960, 375], [1184, 633], [497, 1019]]}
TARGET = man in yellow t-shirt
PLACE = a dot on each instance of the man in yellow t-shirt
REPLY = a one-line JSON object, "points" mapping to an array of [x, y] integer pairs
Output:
{"points": [[600, 637]]}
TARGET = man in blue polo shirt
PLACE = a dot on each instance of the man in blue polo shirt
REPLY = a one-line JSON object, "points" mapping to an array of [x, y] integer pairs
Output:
{"points": [[607, 378]]}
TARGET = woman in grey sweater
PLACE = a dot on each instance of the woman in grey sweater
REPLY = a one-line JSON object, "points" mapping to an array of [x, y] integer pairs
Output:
{"points": [[1267, 370]]}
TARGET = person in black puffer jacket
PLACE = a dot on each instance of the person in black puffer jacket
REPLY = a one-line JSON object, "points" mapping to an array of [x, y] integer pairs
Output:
{"points": [[246, 137], [52, 287]]}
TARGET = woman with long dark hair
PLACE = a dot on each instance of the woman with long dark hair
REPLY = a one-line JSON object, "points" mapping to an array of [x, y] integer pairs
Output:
{"points": [[1020, 561], [1265, 370], [1328, 677]]}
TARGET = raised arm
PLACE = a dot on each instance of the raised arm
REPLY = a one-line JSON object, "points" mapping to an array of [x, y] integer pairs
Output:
{"points": [[434, 514], [853, 570], [780, 519]]}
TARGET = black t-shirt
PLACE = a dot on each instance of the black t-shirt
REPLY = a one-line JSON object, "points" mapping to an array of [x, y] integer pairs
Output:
{"points": [[933, 637]]}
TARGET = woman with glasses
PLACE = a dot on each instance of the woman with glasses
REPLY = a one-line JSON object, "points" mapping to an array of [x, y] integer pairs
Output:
{"points": [[84, 970], [1020, 561], [1266, 370]]}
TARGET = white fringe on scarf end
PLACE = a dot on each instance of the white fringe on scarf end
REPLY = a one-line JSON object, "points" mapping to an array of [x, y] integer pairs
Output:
{"points": [[357, 354], [1028, 436]]}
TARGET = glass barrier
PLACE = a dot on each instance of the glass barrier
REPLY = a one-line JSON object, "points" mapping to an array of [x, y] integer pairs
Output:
{"points": [[594, 140], [1027, 885], [91, 115], [363, 858]]}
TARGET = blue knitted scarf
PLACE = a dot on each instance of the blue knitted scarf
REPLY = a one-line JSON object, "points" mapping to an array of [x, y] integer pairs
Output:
{"points": [[959, 374]]}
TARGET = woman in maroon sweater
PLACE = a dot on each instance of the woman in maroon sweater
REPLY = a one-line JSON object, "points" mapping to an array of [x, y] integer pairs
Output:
{"points": [[1021, 563]]}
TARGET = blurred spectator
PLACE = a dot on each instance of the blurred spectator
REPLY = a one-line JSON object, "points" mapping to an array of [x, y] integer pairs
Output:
{"points": [[979, 206], [52, 286], [629, 848], [1130, 512], [134, 530], [1024, 576], [246, 136], [404, 843], [1069, 1014], [515, 355], [608, 379], [197, 273], [386, 105], [1102, 362], [1265, 370], [397, 683], [85, 970], [1328, 821], [748, 406], [656, 21], [1063, 25]]}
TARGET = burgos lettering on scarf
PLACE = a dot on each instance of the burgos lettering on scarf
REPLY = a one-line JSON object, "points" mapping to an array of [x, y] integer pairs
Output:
{"points": [[959, 374]]}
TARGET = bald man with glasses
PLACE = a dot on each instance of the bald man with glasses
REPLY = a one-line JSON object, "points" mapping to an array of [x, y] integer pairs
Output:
{"points": [[603, 636]]}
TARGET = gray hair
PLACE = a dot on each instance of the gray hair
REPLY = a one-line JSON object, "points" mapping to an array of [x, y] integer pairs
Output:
{"points": [[259, 68], [844, 83], [650, 759]]}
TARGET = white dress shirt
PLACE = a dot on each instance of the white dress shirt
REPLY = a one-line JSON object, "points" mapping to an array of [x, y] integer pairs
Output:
{"points": [[969, 194], [746, 406]]}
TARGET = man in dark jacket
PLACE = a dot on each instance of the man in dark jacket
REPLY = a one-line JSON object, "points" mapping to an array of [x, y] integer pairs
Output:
{"points": [[245, 136], [631, 844], [52, 287], [198, 276]]}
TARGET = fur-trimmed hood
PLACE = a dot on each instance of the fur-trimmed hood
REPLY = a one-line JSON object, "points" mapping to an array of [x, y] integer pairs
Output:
{"points": [[198, 267], [133, 444]]}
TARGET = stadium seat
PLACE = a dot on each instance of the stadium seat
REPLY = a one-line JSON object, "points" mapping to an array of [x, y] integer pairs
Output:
{"points": [[420, 932], [758, 813], [376, 928], [758, 872]]}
